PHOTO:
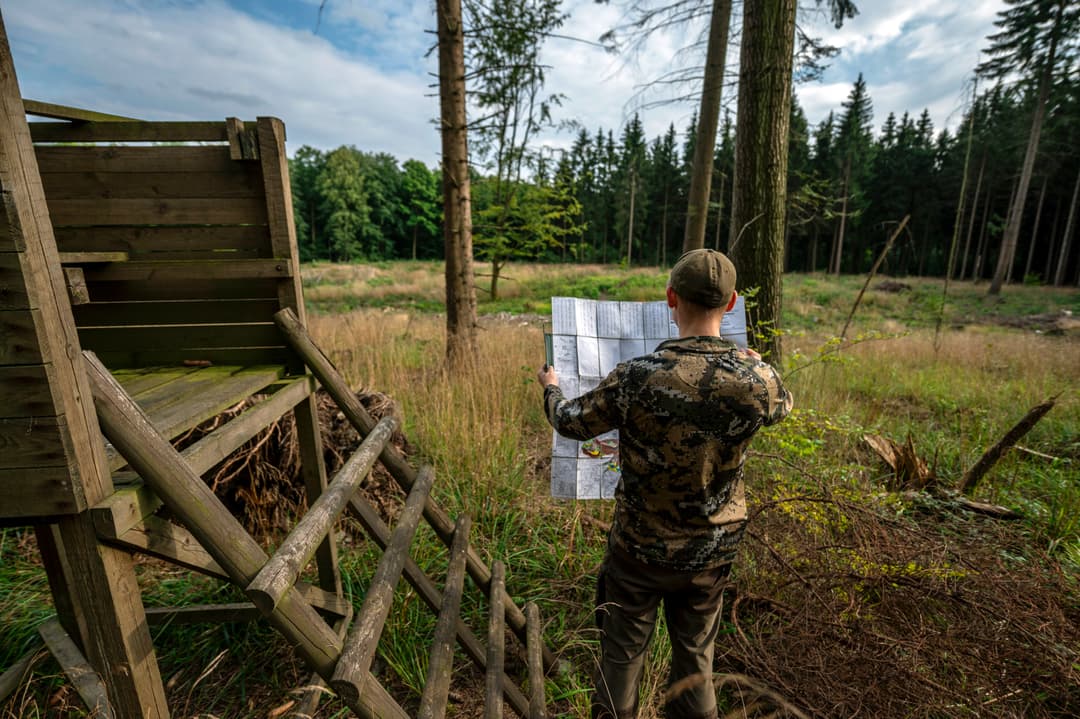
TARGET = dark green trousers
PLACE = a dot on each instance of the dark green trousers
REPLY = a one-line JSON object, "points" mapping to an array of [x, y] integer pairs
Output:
{"points": [[628, 594]]}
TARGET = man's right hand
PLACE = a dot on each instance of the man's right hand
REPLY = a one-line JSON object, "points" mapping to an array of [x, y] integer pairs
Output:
{"points": [[547, 376]]}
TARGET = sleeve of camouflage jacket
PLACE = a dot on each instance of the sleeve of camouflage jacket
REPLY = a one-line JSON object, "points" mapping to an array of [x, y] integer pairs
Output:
{"points": [[779, 399], [590, 414]]}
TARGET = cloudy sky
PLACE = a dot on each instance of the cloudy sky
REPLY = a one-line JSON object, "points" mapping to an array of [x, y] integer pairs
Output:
{"points": [[361, 74]]}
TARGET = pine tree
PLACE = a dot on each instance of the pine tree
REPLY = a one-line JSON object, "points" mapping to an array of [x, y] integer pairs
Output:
{"points": [[1035, 36]]}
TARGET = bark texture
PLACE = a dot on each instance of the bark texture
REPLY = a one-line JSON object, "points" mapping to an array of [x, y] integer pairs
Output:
{"points": [[761, 146], [457, 204]]}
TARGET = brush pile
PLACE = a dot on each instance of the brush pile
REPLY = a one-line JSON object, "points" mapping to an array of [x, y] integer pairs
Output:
{"points": [[260, 483]]}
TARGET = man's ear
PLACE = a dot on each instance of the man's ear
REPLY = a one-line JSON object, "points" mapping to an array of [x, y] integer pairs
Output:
{"points": [[730, 305], [672, 298]]}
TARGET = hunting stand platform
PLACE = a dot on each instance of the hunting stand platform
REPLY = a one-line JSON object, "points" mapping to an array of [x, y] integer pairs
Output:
{"points": [[148, 281]]}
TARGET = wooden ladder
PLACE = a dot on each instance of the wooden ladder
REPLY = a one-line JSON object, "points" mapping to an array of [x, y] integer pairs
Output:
{"points": [[341, 658]]}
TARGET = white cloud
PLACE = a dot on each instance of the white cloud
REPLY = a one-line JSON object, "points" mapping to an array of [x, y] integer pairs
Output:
{"points": [[364, 78]]}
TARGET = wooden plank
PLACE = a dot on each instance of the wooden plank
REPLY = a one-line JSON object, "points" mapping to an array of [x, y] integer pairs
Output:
{"points": [[202, 614], [280, 356], [63, 112], [441, 663], [363, 637], [33, 442], [129, 131], [297, 549], [169, 242], [135, 383], [279, 208], [82, 258], [14, 676], [193, 399], [243, 184], [37, 492], [14, 294], [129, 505], [182, 312], [184, 290], [243, 143], [78, 292], [73, 158], [496, 644], [432, 597], [162, 539], [177, 337], [174, 270], [26, 391], [87, 682], [19, 337], [398, 466], [188, 497], [533, 646], [152, 211], [11, 236]]}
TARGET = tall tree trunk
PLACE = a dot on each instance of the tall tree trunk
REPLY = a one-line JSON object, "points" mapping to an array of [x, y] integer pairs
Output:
{"points": [[663, 231], [974, 214], [980, 249], [961, 204], [1047, 270], [813, 249], [697, 210], [719, 210], [630, 225], [759, 199], [1016, 207], [1035, 230], [838, 252], [1066, 239], [461, 342]]}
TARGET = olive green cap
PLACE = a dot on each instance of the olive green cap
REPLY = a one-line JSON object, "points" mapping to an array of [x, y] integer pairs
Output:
{"points": [[705, 277]]}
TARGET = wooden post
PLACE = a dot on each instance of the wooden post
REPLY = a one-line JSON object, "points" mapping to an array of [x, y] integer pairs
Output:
{"points": [[441, 664], [380, 534], [537, 708], [283, 569], [102, 601], [496, 648], [364, 635], [400, 469]]}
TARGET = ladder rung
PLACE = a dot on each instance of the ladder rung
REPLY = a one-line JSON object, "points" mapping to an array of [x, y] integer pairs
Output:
{"points": [[440, 667], [537, 708], [283, 569], [496, 648], [359, 651], [473, 648]]}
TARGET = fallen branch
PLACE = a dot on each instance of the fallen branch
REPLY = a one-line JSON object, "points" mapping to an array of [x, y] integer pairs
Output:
{"points": [[991, 456], [873, 271]]}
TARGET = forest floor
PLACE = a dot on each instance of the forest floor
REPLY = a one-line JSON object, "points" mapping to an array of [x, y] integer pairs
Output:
{"points": [[859, 592]]}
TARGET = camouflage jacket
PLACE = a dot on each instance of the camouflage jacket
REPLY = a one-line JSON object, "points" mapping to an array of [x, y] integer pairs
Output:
{"points": [[685, 415]]}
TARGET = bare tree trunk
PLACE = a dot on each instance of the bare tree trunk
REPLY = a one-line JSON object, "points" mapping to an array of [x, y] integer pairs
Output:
{"points": [[1016, 207], [697, 211], [630, 225], [457, 201], [813, 249], [980, 249], [839, 251], [1047, 274], [1035, 230], [1066, 239], [719, 210], [759, 200], [971, 220]]}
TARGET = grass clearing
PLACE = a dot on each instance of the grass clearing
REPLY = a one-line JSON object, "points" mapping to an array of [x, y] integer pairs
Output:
{"points": [[823, 507]]}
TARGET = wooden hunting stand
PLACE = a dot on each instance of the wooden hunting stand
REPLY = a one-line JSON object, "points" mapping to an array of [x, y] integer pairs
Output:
{"points": [[147, 287]]}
